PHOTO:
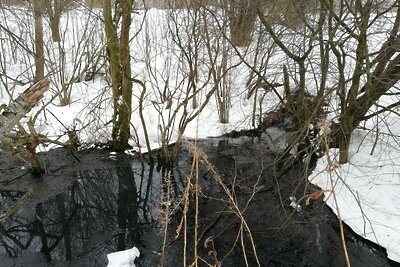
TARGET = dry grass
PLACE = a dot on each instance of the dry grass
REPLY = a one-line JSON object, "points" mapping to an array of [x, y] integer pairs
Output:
{"points": [[190, 200]]}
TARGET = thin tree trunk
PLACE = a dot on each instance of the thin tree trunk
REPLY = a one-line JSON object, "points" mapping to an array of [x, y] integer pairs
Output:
{"points": [[344, 136], [113, 59], [242, 16], [54, 14], [39, 50], [126, 82], [55, 27]]}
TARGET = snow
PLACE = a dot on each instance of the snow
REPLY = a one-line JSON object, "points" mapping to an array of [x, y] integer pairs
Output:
{"points": [[367, 188], [123, 258]]}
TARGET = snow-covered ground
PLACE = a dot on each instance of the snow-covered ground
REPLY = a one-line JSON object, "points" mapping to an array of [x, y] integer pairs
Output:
{"points": [[367, 188]]}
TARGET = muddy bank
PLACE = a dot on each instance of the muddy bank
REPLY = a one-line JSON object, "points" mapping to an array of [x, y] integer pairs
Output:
{"points": [[97, 202]]}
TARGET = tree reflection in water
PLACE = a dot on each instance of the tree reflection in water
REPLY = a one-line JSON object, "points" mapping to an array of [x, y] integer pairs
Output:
{"points": [[103, 211]]}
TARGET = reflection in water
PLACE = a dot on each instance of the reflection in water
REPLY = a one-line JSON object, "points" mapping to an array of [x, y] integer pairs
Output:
{"points": [[127, 208], [127, 203], [103, 211]]}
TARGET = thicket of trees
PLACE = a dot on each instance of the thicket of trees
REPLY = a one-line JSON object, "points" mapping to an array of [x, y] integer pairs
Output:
{"points": [[325, 48], [291, 59]]}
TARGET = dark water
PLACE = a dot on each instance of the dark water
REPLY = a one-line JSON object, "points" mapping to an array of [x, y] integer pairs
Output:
{"points": [[78, 214], [94, 203]]}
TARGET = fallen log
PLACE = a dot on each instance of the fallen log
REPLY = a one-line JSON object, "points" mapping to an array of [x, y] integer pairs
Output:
{"points": [[10, 115]]}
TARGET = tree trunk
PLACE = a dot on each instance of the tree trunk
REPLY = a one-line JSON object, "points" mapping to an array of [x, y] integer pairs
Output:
{"points": [[242, 16], [120, 70], [12, 114], [126, 81], [55, 27], [113, 59], [39, 50], [344, 144]]}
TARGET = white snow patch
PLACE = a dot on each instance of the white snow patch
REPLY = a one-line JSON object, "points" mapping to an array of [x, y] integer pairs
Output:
{"points": [[367, 188], [123, 258]]}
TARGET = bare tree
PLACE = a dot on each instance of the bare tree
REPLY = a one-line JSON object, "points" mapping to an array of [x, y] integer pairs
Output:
{"points": [[331, 36], [375, 70], [120, 68]]}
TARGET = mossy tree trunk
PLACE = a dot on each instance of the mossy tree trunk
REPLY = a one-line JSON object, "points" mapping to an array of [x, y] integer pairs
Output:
{"points": [[120, 70]]}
